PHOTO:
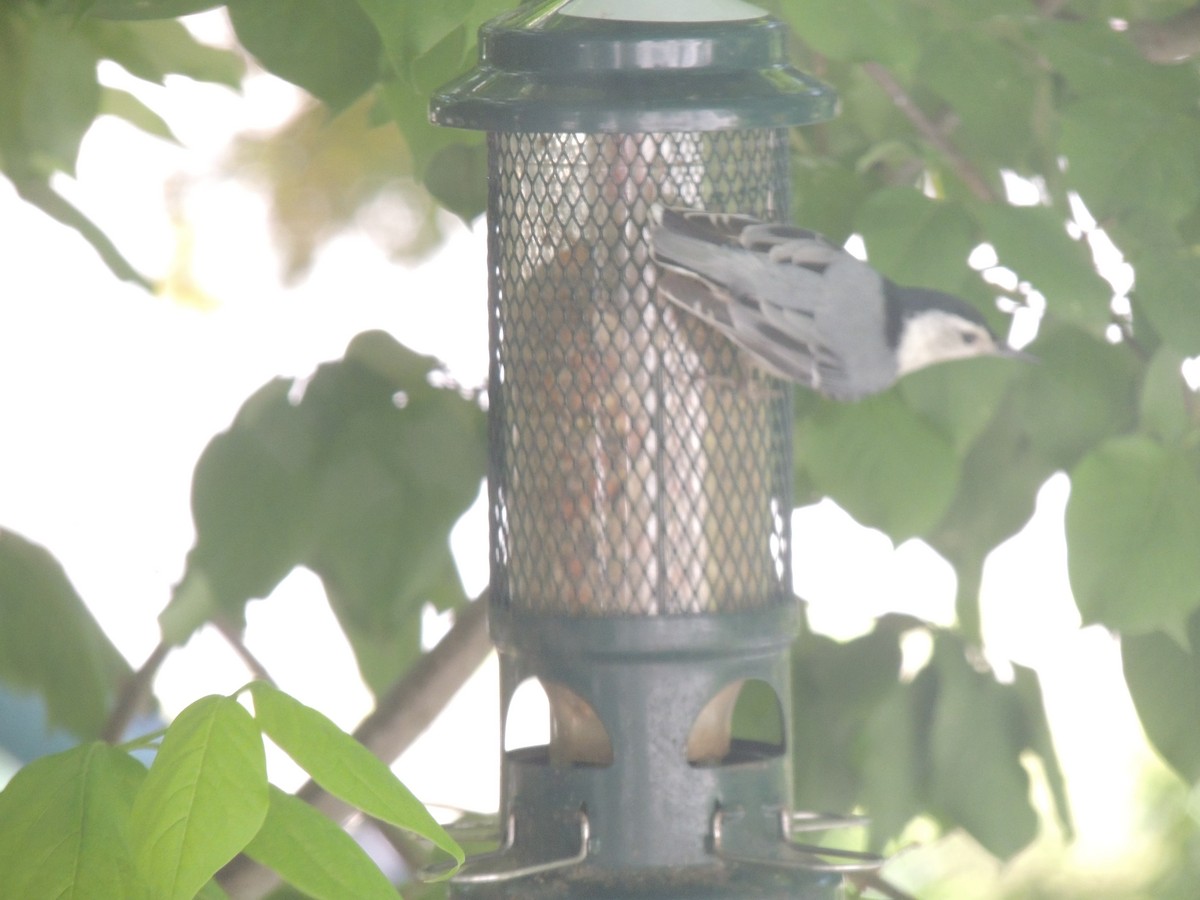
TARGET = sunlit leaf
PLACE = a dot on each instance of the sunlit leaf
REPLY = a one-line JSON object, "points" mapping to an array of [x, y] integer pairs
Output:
{"points": [[342, 766], [65, 826], [311, 853], [203, 799]]}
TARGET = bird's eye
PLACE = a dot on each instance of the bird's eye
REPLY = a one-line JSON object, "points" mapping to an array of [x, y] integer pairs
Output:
{"points": [[968, 337]]}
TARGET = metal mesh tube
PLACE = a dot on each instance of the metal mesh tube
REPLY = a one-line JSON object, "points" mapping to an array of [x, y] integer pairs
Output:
{"points": [[638, 466]]}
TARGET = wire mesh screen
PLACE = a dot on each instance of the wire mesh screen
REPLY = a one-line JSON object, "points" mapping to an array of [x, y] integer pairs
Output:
{"points": [[639, 465]]}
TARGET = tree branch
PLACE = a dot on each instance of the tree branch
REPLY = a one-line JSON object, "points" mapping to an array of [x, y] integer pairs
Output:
{"points": [[962, 167], [1174, 39], [133, 694]]}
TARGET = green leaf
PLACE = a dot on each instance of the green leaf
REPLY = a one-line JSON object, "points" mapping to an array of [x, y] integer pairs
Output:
{"points": [[124, 105], [1133, 526], [314, 855], [50, 643], [1097, 61], [1165, 294], [1033, 241], [36, 190], [1149, 159], [457, 179], [251, 499], [146, 9], [976, 779], [203, 800], [328, 47], [1164, 681], [361, 480], [989, 82], [836, 687], [59, 95], [918, 241], [961, 399], [153, 50], [1080, 390], [886, 466], [876, 29], [343, 766], [411, 30], [65, 826], [1167, 401]]}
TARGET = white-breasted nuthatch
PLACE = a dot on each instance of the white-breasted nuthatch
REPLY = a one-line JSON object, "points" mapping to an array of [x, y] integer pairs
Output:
{"points": [[806, 310]]}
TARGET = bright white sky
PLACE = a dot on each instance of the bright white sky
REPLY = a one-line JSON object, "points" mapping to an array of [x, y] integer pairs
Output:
{"points": [[108, 395]]}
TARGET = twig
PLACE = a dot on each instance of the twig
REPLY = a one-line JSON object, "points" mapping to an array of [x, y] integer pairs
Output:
{"points": [[401, 716], [133, 694], [970, 176], [239, 646]]}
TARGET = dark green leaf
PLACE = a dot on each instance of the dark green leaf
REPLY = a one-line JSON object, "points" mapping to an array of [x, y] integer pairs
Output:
{"points": [[1133, 526], [1164, 681], [328, 47], [203, 799], [59, 95], [457, 179], [836, 688], [49, 642], [312, 853], [409, 107], [894, 767], [251, 499], [902, 483], [65, 826], [976, 778], [343, 766]]}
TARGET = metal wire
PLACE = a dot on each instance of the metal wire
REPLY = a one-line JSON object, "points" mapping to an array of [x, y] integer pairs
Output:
{"points": [[638, 467]]}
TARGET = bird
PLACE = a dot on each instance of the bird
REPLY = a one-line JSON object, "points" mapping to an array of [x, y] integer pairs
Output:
{"points": [[805, 309]]}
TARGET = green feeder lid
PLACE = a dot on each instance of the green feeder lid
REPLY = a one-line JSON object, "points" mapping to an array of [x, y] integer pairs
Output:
{"points": [[629, 66]]}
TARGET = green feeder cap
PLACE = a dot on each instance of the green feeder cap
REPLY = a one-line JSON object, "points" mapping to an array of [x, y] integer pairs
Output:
{"points": [[588, 66]]}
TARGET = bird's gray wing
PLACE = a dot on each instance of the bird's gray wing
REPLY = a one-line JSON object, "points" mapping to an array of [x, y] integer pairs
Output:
{"points": [[765, 286]]}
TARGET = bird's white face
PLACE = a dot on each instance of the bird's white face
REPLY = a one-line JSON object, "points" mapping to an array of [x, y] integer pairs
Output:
{"points": [[935, 336]]}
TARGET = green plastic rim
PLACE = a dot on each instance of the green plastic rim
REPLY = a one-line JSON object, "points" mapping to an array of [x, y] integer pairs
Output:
{"points": [[543, 71]]}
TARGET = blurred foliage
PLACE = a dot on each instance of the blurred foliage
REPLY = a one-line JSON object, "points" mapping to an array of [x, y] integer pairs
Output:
{"points": [[1040, 130]]}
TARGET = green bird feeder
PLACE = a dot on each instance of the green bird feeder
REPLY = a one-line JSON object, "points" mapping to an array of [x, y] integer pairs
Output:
{"points": [[640, 475]]}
